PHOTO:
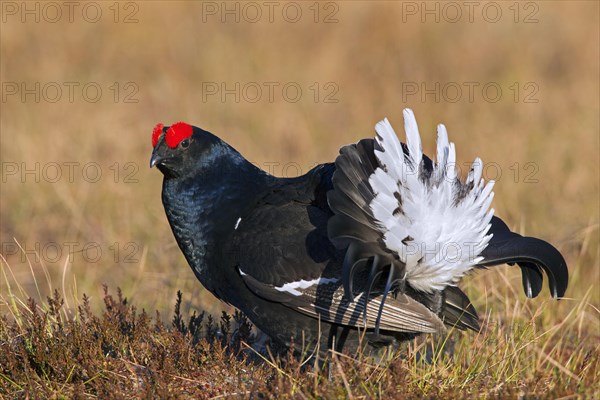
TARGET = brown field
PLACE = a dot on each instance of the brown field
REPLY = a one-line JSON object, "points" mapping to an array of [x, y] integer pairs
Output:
{"points": [[80, 208]]}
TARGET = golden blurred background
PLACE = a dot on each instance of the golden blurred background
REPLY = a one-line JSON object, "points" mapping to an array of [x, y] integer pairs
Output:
{"points": [[287, 84]]}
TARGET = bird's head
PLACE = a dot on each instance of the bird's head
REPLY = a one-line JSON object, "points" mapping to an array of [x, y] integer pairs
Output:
{"points": [[182, 149]]}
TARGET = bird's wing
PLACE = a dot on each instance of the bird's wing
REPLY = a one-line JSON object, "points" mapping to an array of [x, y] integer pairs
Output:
{"points": [[284, 255], [457, 310]]}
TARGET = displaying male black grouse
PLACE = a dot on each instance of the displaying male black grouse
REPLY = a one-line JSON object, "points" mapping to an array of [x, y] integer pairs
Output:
{"points": [[368, 249]]}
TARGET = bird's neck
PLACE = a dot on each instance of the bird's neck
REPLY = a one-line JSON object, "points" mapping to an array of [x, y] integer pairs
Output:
{"points": [[203, 210]]}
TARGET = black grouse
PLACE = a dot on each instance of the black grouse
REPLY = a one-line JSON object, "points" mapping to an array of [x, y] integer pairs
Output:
{"points": [[364, 251]]}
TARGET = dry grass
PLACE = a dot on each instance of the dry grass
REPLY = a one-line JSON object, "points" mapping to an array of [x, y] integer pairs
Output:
{"points": [[535, 347]]}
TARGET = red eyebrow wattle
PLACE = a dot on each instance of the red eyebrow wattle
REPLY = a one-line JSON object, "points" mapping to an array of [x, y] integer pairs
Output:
{"points": [[177, 132], [156, 133]]}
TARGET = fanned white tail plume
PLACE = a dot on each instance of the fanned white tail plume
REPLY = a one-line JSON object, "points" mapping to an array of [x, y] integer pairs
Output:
{"points": [[433, 222]]}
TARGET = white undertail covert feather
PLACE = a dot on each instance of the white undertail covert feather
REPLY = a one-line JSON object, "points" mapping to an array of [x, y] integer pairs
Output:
{"points": [[436, 224]]}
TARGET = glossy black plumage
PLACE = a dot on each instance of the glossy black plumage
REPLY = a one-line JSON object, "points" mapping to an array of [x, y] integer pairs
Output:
{"points": [[303, 258]]}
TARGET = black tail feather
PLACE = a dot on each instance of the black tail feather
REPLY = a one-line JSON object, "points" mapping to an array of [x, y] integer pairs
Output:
{"points": [[533, 257], [374, 274]]}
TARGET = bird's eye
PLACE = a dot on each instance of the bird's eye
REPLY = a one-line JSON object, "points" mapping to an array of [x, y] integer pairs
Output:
{"points": [[185, 143]]}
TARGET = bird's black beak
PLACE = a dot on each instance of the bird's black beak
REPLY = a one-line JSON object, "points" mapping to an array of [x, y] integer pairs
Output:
{"points": [[155, 159]]}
